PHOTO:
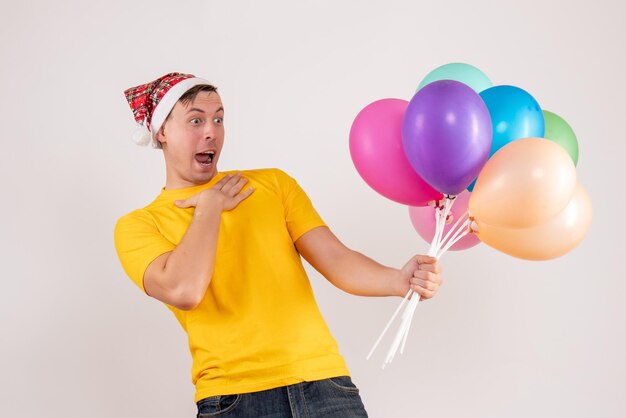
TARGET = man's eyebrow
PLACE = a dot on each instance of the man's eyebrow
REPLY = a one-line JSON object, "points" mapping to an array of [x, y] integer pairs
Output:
{"points": [[195, 109]]}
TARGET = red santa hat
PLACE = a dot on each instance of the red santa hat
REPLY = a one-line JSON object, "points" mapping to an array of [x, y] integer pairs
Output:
{"points": [[152, 102]]}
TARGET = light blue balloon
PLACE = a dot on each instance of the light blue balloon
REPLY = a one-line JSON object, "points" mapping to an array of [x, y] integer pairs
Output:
{"points": [[458, 71], [470, 188], [515, 114]]}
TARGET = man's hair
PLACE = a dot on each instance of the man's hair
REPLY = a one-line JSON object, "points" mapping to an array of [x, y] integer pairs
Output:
{"points": [[189, 96]]}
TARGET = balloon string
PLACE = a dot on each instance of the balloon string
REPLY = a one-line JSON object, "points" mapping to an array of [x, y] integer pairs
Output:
{"points": [[454, 227], [460, 233], [409, 293], [438, 241], [433, 243], [407, 316], [408, 327], [402, 330], [442, 222]]}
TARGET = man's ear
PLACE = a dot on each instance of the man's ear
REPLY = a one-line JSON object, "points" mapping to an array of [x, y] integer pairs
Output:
{"points": [[160, 135]]}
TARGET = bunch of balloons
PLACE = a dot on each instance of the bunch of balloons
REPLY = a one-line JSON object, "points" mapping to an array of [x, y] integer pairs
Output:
{"points": [[475, 163]]}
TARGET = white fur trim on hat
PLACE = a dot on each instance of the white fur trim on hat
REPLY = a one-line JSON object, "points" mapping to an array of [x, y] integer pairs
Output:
{"points": [[142, 135], [167, 103]]}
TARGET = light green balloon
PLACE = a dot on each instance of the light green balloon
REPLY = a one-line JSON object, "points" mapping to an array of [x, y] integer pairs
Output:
{"points": [[559, 131], [465, 73]]}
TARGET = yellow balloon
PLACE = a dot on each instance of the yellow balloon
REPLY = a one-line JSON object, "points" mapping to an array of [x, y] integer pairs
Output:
{"points": [[542, 242], [525, 183]]}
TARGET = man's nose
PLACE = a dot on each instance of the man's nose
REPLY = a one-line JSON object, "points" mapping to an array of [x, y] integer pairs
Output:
{"points": [[209, 131]]}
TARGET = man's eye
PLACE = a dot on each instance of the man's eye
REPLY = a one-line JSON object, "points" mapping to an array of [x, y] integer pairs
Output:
{"points": [[195, 121], [218, 120]]}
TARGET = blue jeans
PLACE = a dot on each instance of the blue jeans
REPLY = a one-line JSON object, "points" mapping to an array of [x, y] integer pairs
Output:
{"points": [[335, 397]]}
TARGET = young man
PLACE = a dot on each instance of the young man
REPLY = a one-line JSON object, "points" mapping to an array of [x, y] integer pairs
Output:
{"points": [[222, 251]]}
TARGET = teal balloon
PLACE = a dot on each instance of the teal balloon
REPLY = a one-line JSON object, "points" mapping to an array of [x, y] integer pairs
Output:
{"points": [[458, 71]]}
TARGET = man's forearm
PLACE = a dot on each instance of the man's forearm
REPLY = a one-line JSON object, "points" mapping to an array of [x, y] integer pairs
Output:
{"points": [[347, 269], [359, 275], [189, 268]]}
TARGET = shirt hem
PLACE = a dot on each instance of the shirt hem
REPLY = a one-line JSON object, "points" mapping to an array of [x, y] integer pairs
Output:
{"points": [[271, 384]]}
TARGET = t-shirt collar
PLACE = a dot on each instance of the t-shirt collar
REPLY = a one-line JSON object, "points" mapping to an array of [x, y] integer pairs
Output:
{"points": [[187, 192]]}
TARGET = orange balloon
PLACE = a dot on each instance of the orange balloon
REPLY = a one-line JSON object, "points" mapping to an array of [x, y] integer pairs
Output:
{"points": [[525, 183], [548, 240]]}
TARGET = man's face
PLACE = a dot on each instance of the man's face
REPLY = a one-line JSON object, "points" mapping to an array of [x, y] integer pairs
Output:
{"points": [[192, 139]]}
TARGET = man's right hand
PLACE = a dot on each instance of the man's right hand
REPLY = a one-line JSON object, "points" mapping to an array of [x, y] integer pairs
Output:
{"points": [[180, 277], [227, 191]]}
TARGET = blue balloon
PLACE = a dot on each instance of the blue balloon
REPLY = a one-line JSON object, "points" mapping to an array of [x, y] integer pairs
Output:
{"points": [[515, 114], [470, 188]]}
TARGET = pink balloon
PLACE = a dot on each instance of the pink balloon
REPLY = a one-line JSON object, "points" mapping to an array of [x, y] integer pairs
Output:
{"points": [[378, 155], [423, 220]]}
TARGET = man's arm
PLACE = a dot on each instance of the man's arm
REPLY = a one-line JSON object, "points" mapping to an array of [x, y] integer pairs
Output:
{"points": [[357, 274], [180, 277]]}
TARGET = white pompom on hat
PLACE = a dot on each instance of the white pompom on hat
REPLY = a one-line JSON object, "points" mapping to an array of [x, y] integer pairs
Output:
{"points": [[152, 102]]}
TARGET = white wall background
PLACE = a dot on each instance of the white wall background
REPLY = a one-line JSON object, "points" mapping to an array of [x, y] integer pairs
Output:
{"points": [[504, 337]]}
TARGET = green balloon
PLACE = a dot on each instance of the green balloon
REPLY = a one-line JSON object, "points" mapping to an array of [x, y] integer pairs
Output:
{"points": [[559, 131], [457, 71]]}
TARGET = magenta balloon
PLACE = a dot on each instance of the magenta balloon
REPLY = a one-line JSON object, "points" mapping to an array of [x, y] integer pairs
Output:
{"points": [[377, 153], [423, 220], [446, 135]]}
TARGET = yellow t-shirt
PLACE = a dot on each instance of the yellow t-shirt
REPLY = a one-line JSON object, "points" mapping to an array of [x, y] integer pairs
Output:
{"points": [[258, 326]]}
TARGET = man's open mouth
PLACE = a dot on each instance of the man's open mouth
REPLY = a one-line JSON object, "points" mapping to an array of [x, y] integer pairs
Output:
{"points": [[205, 158]]}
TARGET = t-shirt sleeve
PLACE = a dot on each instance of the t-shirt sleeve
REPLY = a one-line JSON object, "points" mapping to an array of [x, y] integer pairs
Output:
{"points": [[300, 215], [138, 242]]}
